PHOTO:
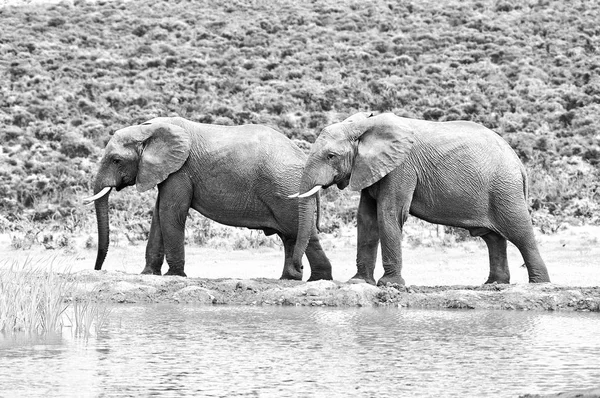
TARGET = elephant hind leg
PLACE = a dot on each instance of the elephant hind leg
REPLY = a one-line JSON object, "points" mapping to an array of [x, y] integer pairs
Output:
{"points": [[524, 239], [515, 225], [289, 270], [320, 267], [499, 272]]}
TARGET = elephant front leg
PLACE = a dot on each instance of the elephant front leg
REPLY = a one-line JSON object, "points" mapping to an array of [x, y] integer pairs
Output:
{"points": [[174, 238], [155, 251], [367, 239], [174, 206], [391, 255], [390, 232]]}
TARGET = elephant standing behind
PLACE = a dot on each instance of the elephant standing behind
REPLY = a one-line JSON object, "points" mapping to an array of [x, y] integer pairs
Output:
{"points": [[235, 175], [451, 173]]}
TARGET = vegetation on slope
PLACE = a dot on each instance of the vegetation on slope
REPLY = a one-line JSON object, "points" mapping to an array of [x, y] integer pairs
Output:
{"points": [[73, 73]]}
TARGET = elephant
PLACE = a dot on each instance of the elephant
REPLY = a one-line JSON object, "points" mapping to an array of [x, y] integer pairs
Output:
{"points": [[455, 173], [235, 175]]}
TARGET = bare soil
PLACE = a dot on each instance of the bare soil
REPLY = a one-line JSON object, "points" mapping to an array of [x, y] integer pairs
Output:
{"points": [[588, 393], [438, 276], [120, 287]]}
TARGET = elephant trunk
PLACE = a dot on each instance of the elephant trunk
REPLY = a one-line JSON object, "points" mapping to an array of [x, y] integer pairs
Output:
{"points": [[306, 222], [101, 205], [307, 208]]}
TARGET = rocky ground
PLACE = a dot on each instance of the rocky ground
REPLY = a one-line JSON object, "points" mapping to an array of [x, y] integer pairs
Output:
{"points": [[591, 393], [438, 276], [120, 287]]}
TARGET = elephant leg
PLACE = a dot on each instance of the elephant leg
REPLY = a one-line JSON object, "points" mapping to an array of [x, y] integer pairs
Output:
{"points": [[392, 211], [173, 210], [289, 270], [391, 252], [367, 238], [394, 197], [499, 272], [320, 267], [523, 238], [155, 251], [514, 223]]}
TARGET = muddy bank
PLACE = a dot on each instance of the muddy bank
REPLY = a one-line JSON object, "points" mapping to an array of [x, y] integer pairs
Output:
{"points": [[119, 287], [591, 393]]}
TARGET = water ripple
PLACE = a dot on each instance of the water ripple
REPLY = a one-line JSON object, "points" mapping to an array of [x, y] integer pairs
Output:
{"points": [[176, 350]]}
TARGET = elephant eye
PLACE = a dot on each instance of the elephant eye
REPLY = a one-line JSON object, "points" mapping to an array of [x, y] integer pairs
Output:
{"points": [[116, 160], [331, 156]]}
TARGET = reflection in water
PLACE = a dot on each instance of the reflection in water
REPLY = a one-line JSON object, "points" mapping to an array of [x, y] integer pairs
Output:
{"points": [[272, 351]]}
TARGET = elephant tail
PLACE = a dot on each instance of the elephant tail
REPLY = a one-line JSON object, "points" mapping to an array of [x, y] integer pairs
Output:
{"points": [[525, 184]]}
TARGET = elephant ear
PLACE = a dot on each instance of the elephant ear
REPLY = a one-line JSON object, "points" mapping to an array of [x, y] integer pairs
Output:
{"points": [[381, 148], [166, 147]]}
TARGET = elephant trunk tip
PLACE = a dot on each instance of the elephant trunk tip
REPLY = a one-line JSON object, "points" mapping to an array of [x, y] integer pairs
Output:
{"points": [[99, 262]]}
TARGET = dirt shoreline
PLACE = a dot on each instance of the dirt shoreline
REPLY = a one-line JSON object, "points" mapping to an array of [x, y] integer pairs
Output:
{"points": [[438, 276], [120, 287], [587, 393]]}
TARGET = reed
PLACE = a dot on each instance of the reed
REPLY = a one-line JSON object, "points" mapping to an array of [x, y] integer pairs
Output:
{"points": [[35, 299], [31, 298], [87, 312]]}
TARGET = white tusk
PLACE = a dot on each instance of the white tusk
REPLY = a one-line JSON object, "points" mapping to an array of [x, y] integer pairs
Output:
{"points": [[311, 192], [100, 194], [294, 195]]}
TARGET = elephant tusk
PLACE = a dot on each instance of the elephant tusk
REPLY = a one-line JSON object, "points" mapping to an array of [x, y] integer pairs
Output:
{"points": [[311, 192], [294, 195], [100, 194]]}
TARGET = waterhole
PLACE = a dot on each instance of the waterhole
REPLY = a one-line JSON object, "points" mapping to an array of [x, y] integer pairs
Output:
{"points": [[219, 351]]}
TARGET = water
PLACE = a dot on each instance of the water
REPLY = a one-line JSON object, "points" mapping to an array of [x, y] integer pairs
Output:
{"points": [[176, 350]]}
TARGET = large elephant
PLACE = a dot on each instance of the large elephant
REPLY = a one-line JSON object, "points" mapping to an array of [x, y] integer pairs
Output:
{"points": [[452, 173], [235, 175]]}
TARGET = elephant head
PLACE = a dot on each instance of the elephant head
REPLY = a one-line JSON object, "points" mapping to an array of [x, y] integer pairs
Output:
{"points": [[142, 155], [358, 152]]}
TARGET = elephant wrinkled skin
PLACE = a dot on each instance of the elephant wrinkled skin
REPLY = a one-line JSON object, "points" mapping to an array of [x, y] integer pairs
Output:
{"points": [[451, 173], [236, 175]]}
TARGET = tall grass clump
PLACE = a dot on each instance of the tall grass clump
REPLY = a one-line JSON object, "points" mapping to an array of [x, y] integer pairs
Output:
{"points": [[34, 299], [31, 299], [86, 313]]}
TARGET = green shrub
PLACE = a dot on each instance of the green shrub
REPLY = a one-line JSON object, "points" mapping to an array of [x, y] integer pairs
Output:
{"points": [[298, 68], [74, 146]]}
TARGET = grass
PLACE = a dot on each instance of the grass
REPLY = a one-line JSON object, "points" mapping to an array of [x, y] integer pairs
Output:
{"points": [[86, 313], [31, 298], [34, 299]]}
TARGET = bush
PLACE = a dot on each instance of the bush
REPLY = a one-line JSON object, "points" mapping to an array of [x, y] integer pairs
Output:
{"points": [[75, 146], [299, 69]]}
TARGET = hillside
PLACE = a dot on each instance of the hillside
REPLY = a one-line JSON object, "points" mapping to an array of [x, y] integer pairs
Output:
{"points": [[73, 73]]}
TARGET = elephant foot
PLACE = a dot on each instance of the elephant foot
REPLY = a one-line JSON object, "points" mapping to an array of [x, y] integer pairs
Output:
{"points": [[491, 280], [291, 274], [358, 278], [499, 273], [320, 272], [542, 280], [317, 276], [392, 280], [539, 277], [150, 271], [175, 272]]}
